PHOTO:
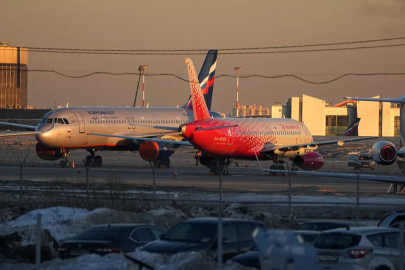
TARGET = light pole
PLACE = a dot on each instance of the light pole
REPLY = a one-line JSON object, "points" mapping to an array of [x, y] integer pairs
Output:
{"points": [[237, 90], [142, 68]]}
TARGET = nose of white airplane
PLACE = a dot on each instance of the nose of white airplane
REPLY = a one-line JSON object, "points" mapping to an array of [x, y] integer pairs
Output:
{"points": [[44, 137]]}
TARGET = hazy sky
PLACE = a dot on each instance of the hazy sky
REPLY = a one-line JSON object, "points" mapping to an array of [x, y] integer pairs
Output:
{"points": [[207, 24]]}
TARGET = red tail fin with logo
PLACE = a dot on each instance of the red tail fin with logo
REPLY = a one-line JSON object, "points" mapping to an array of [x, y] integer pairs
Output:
{"points": [[200, 109]]}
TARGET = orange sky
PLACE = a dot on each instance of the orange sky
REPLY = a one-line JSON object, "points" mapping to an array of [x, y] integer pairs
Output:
{"points": [[185, 24]]}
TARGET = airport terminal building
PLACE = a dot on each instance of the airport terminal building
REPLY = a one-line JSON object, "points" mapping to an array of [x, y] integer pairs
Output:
{"points": [[322, 118]]}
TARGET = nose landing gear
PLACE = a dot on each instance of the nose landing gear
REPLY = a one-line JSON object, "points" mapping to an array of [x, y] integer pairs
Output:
{"points": [[64, 163]]}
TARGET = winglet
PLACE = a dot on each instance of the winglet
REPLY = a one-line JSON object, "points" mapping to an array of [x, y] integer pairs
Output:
{"points": [[200, 110]]}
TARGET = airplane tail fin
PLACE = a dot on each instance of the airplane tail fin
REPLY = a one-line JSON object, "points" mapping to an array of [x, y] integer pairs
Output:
{"points": [[206, 79], [200, 109], [353, 128]]}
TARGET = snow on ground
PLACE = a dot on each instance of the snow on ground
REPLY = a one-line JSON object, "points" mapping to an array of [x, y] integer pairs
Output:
{"points": [[180, 261], [65, 222]]}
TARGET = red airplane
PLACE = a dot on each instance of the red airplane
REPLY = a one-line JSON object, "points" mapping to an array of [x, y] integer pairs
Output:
{"points": [[251, 138]]}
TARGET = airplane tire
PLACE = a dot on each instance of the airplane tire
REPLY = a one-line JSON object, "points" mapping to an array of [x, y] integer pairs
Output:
{"points": [[62, 163], [98, 161], [88, 161], [67, 164], [281, 168]]}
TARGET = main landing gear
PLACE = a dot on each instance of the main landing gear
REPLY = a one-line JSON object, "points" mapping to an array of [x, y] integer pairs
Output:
{"points": [[277, 165], [164, 163], [93, 160]]}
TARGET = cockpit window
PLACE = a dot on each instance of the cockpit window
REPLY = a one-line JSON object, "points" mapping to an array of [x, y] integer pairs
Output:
{"points": [[49, 121], [66, 121], [60, 121]]}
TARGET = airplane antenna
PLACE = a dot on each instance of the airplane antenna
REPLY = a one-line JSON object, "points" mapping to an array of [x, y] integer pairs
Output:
{"points": [[147, 106]]}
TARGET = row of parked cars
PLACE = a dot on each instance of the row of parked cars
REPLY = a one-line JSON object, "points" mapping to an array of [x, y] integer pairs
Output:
{"points": [[338, 244]]}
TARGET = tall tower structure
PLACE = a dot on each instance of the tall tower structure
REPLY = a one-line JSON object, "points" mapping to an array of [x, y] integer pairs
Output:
{"points": [[13, 76]]}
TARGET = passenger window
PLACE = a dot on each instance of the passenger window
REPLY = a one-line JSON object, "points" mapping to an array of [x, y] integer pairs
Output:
{"points": [[376, 240], [391, 240], [142, 235], [230, 234]]}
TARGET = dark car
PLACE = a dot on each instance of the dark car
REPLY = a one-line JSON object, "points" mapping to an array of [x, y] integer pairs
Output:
{"points": [[323, 225], [251, 258], [110, 238], [200, 234]]}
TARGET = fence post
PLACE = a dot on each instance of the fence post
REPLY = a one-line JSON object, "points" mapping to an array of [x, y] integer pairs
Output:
{"points": [[38, 242]]}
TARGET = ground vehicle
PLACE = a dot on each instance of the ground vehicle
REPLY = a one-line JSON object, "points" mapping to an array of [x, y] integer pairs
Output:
{"points": [[200, 234], [109, 238], [323, 225], [373, 248], [392, 219], [251, 258], [360, 160]]}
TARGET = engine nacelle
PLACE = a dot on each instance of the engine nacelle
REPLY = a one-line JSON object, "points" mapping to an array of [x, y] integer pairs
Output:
{"points": [[152, 151], [311, 161], [384, 153], [48, 153]]}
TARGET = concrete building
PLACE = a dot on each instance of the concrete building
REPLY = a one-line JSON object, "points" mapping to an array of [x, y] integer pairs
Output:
{"points": [[13, 76], [322, 118], [250, 110]]}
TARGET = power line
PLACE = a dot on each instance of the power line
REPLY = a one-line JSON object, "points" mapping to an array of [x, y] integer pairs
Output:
{"points": [[222, 75], [223, 49]]}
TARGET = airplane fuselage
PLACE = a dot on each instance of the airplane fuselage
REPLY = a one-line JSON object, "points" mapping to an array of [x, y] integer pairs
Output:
{"points": [[250, 136], [74, 123]]}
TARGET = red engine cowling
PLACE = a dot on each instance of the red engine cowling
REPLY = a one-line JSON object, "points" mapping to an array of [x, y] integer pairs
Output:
{"points": [[151, 151], [384, 153], [48, 153], [311, 161]]}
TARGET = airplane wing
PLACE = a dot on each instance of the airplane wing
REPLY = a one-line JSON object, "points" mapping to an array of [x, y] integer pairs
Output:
{"points": [[380, 178], [18, 134], [18, 125], [294, 147], [142, 139]]}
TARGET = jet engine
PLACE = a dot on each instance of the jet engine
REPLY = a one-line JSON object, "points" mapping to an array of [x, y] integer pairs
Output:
{"points": [[384, 153], [48, 153], [311, 161], [153, 152]]}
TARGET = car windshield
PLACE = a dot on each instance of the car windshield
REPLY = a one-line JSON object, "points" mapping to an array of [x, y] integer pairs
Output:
{"points": [[104, 234], [336, 241], [192, 232], [320, 226]]}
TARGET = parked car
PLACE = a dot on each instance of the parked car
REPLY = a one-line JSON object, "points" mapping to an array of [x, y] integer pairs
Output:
{"points": [[372, 248], [110, 238], [392, 219], [360, 160], [200, 234], [323, 225], [251, 258]]}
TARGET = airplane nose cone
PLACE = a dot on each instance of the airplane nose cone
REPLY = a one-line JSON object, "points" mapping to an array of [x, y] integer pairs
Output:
{"points": [[44, 137]]}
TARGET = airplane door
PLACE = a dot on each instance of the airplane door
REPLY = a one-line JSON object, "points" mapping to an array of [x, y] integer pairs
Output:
{"points": [[230, 137], [81, 121]]}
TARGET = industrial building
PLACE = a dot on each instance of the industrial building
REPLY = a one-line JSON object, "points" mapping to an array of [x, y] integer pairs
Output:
{"points": [[13, 76], [322, 118]]}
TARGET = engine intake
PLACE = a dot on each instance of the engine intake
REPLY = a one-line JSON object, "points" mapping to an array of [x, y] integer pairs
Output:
{"points": [[311, 161], [48, 153], [152, 151], [384, 153]]}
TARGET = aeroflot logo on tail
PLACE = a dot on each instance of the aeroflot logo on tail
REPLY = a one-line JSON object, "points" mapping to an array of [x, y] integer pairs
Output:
{"points": [[102, 112]]}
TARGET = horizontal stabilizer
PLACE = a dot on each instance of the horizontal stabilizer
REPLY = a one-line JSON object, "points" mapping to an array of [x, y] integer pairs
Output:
{"points": [[212, 128], [167, 128]]}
